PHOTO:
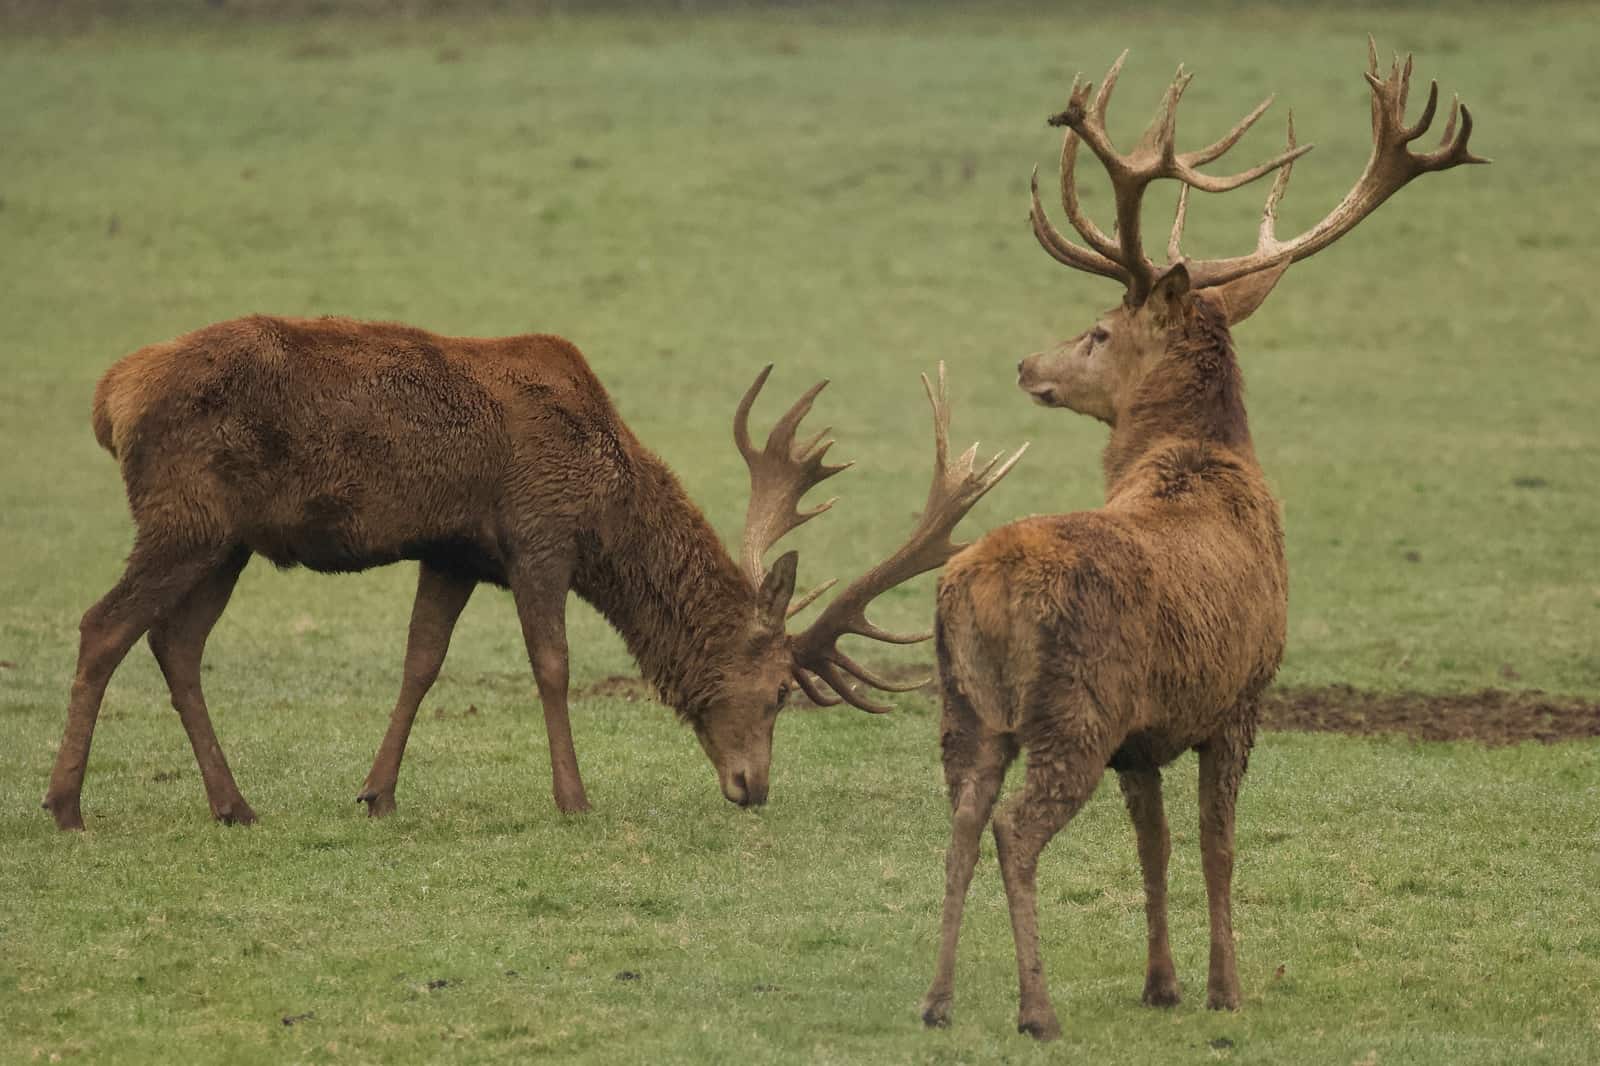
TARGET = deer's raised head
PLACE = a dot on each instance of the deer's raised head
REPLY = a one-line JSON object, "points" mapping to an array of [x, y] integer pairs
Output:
{"points": [[1095, 372], [736, 729]]}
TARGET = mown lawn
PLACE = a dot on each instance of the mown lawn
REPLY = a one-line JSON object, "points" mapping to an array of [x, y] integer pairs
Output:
{"points": [[687, 198]]}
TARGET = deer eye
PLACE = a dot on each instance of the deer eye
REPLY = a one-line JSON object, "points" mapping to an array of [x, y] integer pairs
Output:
{"points": [[783, 694], [1099, 335]]}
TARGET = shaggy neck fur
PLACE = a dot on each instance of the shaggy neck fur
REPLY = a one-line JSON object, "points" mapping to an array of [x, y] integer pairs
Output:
{"points": [[658, 573], [1194, 394]]}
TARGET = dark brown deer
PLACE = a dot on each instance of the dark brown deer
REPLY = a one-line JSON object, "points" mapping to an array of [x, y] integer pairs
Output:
{"points": [[341, 445], [1126, 636]]}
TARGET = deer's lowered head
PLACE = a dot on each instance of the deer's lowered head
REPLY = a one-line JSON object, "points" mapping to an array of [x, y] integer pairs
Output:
{"points": [[762, 665], [1103, 371]]}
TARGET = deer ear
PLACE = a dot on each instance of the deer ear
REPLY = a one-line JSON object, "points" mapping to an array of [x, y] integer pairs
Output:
{"points": [[1169, 297], [1239, 298], [772, 602]]}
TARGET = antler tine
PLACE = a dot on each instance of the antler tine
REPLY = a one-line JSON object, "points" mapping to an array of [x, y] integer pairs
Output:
{"points": [[780, 475], [1160, 136], [1064, 251], [1372, 79], [954, 489], [1091, 233], [800, 603], [1412, 132], [1215, 151], [1450, 123], [1102, 99], [813, 688], [1211, 183], [1182, 216], [1267, 238]]}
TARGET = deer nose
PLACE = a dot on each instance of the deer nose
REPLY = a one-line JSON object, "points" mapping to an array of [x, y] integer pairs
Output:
{"points": [[756, 794]]}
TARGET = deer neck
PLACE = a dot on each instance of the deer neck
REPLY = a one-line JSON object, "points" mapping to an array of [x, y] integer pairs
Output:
{"points": [[1193, 395], [656, 570]]}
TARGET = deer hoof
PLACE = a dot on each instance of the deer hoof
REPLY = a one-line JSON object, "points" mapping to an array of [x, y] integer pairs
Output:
{"points": [[67, 814], [379, 804], [1041, 1027], [936, 1012], [572, 805], [236, 813], [1222, 999], [1161, 993]]}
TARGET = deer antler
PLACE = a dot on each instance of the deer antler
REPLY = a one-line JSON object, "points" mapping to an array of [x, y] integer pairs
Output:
{"points": [[819, 664], [780, 474], [1155, 156], [1391, 165]]}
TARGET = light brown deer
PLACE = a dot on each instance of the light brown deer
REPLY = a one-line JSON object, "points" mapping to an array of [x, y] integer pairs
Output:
{"points": [[1126, 636], [343, 445]]}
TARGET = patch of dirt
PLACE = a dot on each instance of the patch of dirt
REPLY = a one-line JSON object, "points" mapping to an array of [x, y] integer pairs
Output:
{"points": [[1490, 716]]}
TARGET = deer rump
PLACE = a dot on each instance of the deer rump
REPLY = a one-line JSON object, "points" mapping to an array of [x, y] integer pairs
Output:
{"points": [[1165, 608], [340, 446]]}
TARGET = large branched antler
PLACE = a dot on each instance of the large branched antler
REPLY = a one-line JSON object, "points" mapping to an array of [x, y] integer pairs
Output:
{"points": [[819, 664], [1155, 156], [1391, 165]]}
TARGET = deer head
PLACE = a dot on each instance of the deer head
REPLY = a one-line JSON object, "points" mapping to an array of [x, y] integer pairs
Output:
{"points": [[736, 728], [1096, 372]]}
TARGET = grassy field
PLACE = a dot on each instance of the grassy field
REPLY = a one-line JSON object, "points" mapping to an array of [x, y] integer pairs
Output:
{"points": [[688, 198]]}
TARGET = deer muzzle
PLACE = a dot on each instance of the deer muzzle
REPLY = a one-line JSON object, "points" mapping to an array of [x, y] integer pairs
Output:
{"points": [[745, 787], [1031, 380]]}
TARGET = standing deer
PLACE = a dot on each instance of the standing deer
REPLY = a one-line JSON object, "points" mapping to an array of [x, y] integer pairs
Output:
{"points": [[343, 445], [1125, 636]]}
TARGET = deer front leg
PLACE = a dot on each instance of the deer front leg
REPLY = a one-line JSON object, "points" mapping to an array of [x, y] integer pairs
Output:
{"points": [[1222, 766], [1061, 777], [1141, 789], [974, 768], [440, 600], [541, 595]]}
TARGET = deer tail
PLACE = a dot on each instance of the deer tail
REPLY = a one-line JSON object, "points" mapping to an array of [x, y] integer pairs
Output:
{"points": [[102, 417]]}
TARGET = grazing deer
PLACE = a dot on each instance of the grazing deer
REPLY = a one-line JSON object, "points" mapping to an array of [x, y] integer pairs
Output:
{"points": [[1125, 636], [343, 445]]}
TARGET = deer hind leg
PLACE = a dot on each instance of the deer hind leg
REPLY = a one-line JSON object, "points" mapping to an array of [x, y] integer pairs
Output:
{"points": [[1063, 771], [157, 578], [975, 763], [441, 596], [1222, 766], [178, 641], [1141, 789], [541, 595]]}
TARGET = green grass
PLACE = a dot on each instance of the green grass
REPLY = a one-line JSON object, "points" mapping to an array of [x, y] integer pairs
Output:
{"points": [[688, 198]]}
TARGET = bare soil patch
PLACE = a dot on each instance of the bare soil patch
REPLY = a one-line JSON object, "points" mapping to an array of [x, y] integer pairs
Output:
{"points": [[1489, 716]]}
